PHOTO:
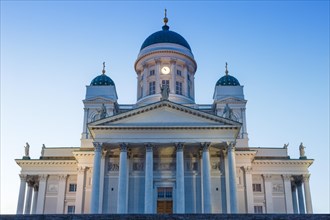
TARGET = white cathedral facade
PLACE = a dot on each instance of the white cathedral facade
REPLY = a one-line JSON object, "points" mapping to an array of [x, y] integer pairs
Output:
{"points": [[164, 153]]}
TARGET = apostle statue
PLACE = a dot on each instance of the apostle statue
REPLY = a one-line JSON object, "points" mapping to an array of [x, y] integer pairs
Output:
{"points": [[103, 113], [286, 146], [227, 112], [165, 91], [43, 150], [27, 149], [302, 150]]}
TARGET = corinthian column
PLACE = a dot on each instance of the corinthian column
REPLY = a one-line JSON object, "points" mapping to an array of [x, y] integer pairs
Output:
{"points": [[308, 198], [30, 182], [206, 178], [180, 194], [61, 194], [21, 196], [80, 190], [300, 195], [96, 178], [232, 178], [148, 185], [122, 182], [41, 194], [35, 198]]}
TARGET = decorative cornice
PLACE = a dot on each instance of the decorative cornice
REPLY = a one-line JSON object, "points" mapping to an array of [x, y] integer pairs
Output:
{"points": [[46, 162], [283, 162]]}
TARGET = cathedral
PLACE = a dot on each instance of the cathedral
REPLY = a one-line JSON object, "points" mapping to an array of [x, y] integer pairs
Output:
{"points": [[165, 153]]}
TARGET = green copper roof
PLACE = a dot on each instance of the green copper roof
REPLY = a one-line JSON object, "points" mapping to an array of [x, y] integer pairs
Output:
{"points": [[165, 36], [227, 80], [102, 80]]}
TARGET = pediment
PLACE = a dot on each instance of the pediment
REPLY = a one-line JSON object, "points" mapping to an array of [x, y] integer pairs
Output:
{"points": [[231, 100], [164, 114], [98, 99]]}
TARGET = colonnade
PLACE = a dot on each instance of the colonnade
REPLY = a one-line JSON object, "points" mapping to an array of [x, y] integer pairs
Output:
{"points": [[31, 198], [122, 203], [300, 187]]}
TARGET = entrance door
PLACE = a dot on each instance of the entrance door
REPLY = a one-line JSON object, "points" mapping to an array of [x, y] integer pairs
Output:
{"points": [[164, 200]]}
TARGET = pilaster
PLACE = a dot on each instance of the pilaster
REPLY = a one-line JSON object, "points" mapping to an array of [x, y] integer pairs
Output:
{"points": [[80, 194], [41, 194], [268, 193], [288, 193], [249, 189], [61, 194]]}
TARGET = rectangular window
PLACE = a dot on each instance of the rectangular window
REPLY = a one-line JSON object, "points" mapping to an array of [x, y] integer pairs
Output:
{"points": [[188, 77], [258, 209], [188, 89], [152, 88], [166, 82], [152, 72], [71, 209], [178, 88], [164, 193], [178, 72], [256, 187], [72, 187]]}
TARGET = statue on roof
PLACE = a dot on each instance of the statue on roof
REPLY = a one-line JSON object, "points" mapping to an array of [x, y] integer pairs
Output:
{"points": [[227, 112], [27, 149], [302, 150], [165, 91], [286, 146], [103, 113], [43, 150]]}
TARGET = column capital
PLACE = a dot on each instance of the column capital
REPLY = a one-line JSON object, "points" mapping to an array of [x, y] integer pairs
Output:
{"points": [[149, 147], [286, 176], [43, 177], [205, 146], [231, 146], [62, 177], [30, 180], [267, 177], [123, 147], [22, 177], [36, 186], [97, 146], [305, 177], [179, 146], [81, 169], [297, 180], [248, 169]]}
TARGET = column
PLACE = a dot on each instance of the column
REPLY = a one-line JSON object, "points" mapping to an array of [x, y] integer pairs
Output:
{"points": [[157, 75], [268, 193], [300, 196], [144, 81], [35, 198], [248, 189], [223, 181], [80, 194], [122, 182], [294, 198], [29, 196], [206, 178], [232, 178], [21, 195], [288, 193], [61, 194], [96, 178], [104, 153], [41, 194], [308, 198], [180, 194], [148, 185], [173, 77]]}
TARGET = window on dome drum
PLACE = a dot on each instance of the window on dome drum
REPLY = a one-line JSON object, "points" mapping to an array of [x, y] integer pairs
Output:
{"points": [[152, 72], [256, 187], [188, 89], [166, 82], [71, 209], [178, 88], [188, 77], [72, 187], [178, 72], [152, 88], [258, 209]]}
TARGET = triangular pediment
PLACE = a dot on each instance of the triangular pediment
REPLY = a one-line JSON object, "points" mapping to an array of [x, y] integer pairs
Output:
{"points": [[164, 114], [231, 100]]}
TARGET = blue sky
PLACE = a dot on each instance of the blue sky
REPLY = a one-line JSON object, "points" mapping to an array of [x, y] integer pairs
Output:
{"points": [[279, 51]]}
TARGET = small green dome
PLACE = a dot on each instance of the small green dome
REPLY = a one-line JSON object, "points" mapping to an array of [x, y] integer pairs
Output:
{"points": [[227, 80], [102, 80], [165, 36]]}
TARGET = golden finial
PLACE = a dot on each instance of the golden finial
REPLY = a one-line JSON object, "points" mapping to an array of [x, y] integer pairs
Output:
{"points": [[226, 69], [103, 71], [165, 18]]}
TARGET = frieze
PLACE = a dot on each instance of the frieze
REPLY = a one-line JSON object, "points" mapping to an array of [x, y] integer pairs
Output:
{"points": [[113, 166], [277, 187], [53, 188]]}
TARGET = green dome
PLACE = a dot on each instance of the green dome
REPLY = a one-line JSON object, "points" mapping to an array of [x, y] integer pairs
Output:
{"points": [[102, 80], [227, 80], [165, 36]]}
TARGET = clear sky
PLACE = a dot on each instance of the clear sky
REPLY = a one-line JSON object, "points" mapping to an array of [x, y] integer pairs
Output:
{"points": [[279, 51]]}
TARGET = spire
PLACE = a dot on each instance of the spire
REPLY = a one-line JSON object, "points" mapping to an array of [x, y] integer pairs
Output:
{"points": [[103, 71], [226, 69], [165, 27]]}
